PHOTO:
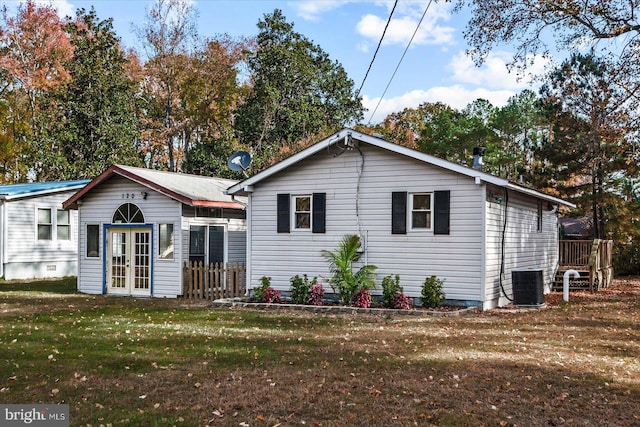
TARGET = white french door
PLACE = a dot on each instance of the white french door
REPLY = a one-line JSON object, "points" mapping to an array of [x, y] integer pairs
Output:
{"points": [[129, 261]]}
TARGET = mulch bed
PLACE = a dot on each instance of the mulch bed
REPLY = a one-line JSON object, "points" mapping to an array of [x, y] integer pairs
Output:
{"points": [[445, 310]]}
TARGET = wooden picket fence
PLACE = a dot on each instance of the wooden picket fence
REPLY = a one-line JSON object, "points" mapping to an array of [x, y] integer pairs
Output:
{"points": [[213, 281]]}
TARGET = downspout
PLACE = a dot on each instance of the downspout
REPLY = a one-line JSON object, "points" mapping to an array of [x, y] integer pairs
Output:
{"points": [[248, 252], [483, 255], [3, 235]]}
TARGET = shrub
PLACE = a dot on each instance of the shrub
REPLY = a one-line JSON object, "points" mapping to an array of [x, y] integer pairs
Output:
{"points": [[300, 287], [402, 302], [432, 294], [390, 289], [265, 282], [362, 299], [316, 294], [343, 279], [271, 295]]}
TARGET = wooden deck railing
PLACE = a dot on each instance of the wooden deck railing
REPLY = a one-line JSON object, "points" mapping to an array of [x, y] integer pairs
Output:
{"points": [[213, 281], [593, 256]]}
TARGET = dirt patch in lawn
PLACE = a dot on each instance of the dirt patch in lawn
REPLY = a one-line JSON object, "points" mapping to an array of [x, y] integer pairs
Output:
{"points": [[123, 361]]}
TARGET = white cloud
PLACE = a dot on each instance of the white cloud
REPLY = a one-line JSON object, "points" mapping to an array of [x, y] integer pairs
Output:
{"points": [[456, 96], [63, 7], [363, 46], [404, 23], [494, 73], [492, 81], [311, 10]]}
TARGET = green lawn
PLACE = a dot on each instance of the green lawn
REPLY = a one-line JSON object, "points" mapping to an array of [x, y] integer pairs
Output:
{"points": [[156, 362]]}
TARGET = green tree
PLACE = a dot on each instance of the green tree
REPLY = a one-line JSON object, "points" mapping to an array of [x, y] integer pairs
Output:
{"points": [[590, 149], [518, 126], [92, 118], [298, 91]]}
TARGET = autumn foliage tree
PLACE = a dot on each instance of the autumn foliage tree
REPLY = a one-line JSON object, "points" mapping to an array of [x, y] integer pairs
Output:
{"points": [[34, 50], [168, 37], [210, 95], [190, 91]]}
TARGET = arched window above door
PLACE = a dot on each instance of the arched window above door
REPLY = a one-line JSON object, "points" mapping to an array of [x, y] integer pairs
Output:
{"points": [[128, 213]]}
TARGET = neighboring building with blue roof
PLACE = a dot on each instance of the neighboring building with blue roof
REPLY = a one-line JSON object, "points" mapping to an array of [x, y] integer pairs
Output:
{"points": [[38, 238]]}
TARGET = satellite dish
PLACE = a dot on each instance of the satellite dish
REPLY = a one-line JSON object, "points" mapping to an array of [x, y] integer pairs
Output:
{"points": [[239, 161]]}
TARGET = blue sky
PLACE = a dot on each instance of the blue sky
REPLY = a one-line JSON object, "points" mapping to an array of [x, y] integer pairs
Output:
{"points": [[434, 69]]}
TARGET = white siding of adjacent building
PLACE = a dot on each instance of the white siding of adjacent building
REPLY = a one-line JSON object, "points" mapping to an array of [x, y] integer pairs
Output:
{"points": [[98, 208], [23, 255], [350, 180], [525, 247]]}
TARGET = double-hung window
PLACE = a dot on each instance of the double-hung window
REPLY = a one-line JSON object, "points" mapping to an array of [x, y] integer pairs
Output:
{"points": [[44, 224], [420, 211], [63, 225], [302, 212]]}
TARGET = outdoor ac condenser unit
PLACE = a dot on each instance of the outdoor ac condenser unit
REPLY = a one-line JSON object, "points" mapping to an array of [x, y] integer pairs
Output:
{"points": [[528, 288]]}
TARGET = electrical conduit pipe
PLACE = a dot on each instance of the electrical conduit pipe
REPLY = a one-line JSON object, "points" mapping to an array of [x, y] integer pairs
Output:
{"points": [[565, 283]]}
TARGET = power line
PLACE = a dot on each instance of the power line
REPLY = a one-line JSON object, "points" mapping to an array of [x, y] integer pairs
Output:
{"points": [[377, 48], [400, 62]]}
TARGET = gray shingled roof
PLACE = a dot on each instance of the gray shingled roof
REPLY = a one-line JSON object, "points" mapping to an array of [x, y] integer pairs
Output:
{"points": [[193, 190]]}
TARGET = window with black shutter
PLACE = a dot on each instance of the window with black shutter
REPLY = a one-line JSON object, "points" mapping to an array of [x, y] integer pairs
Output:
{"points": [[307, 211]]}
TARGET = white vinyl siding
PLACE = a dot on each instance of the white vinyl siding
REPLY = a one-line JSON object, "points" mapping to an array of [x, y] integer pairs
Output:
{"points": [[237, 243], [525, 246], [456, 258], [24, 255]]}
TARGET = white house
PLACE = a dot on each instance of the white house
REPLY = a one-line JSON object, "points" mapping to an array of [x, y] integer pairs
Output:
{"points": [[417, 215], [38, 238], [137, 226]]}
